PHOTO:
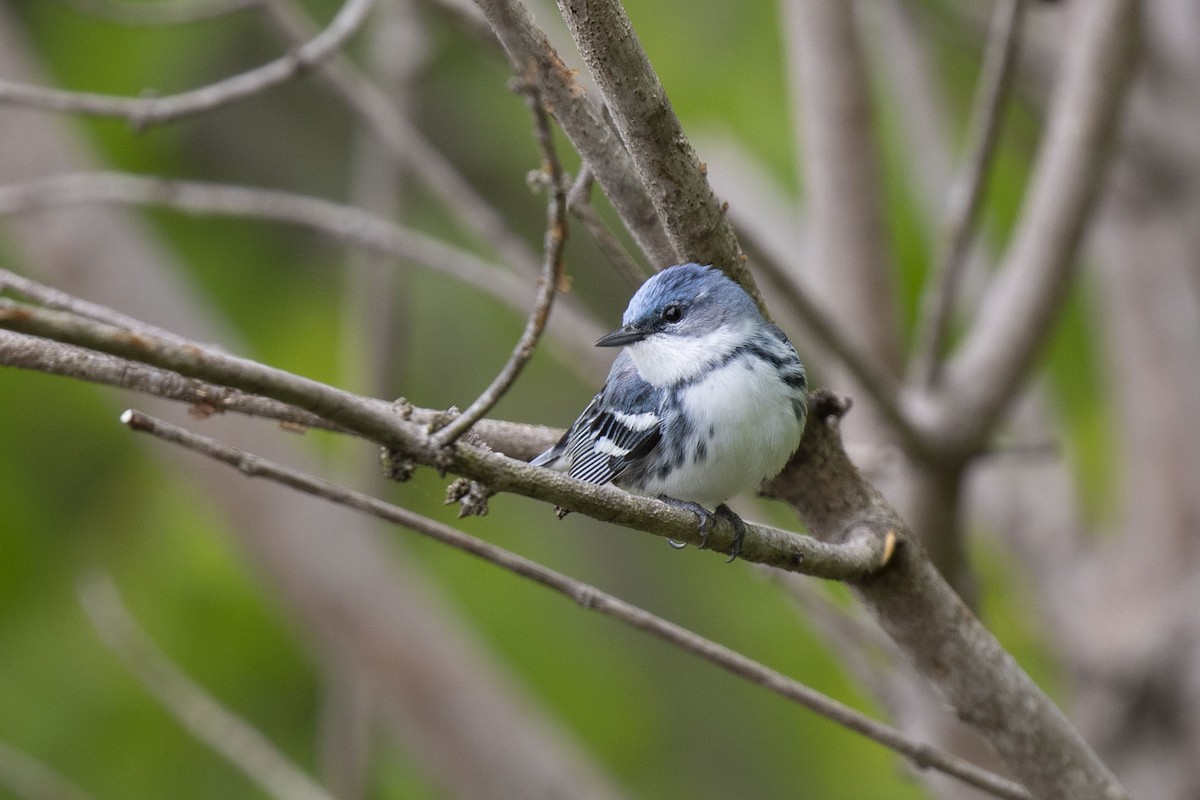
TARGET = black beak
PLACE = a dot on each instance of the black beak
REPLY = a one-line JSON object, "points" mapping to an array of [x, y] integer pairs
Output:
{"points": [[620, 336]]}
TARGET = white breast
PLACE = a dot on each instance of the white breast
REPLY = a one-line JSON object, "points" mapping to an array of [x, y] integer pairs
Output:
{"points": [[754, 429]]}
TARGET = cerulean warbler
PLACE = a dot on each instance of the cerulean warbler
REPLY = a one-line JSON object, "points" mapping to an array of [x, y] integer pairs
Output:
{"points": [[707, 399]]}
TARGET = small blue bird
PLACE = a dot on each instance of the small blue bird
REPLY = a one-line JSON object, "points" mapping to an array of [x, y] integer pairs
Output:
{"points": [[707, 399]]}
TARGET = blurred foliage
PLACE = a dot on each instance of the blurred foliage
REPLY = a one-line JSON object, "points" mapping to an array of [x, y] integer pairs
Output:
{"points": [[78, 493]]}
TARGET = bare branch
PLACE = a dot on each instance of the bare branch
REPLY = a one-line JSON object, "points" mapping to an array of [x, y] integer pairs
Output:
{"points": [[30, 779], [517, 440], [549, 282], [1021, 305], [589, 597], [665, 160], [775, 263], [50, 297], [404, 141], [346, 223], [847, 254], [163, 12], [526, 45], [145, 111], [197, 710], [946, 643], [55, 358], [966, 194], [881, 386]]}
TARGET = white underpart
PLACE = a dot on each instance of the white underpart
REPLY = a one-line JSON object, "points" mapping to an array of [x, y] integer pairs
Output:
{"points": [[755, 432], [664, 360]]}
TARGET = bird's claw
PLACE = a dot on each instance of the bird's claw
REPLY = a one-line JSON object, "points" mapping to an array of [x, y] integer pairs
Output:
{"points": [[704, 521], [739, 530]]}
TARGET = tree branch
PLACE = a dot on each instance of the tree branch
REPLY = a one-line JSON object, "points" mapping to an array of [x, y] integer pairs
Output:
{"points": [[665, 160], [1023, 301], [346, 223], [54, 358], [589, 597], [145, 111], [404, 141], [579, 201], [528, 46], [966, 194], [847, 254], [947, 644], [30, 779], [198, 711], [517, 440]]}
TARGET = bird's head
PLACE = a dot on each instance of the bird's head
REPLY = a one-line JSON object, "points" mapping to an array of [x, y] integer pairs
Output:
{"points": [[682, 320]]}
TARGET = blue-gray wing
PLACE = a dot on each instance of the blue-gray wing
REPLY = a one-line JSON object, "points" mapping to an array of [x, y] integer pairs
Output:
{"points": [[619, 427]]}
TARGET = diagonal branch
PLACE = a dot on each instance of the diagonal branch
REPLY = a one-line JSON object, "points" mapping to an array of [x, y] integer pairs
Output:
{"points": [[29, 779], [591, 598], [661, 152], [1021, 305], [54, 358], [579, 201], [145, 111], [946, 643], [197, 710], [528, 47], [517, 440]]}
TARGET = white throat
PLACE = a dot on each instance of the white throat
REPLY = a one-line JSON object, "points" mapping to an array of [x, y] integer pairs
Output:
{"points": [[664, 360]]}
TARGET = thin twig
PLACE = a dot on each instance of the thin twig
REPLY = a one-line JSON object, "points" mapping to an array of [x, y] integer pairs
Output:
{"points": [[967, 192], [549, 281], [163, 12], [194, 708], [145, 111], [589, 597], [579, 201], [866, 652]]}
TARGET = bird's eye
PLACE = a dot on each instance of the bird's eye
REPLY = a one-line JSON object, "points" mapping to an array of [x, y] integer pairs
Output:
{"points": [[673, 313]]}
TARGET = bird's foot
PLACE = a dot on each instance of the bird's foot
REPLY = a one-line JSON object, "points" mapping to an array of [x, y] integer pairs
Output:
{"points": [[739, 530], [704, 519]]}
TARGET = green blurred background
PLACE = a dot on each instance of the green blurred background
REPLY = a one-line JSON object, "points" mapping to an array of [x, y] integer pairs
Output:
{"points": [[79, 493]]}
